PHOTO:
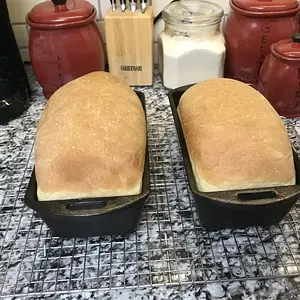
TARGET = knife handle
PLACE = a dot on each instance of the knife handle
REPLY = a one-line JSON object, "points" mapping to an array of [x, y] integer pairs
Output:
{"points": [[113, 4], [143, 5], [133, 6], [123, 5]]}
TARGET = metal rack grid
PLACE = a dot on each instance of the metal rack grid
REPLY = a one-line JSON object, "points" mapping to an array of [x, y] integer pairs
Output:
{"points": [[168, 248]]}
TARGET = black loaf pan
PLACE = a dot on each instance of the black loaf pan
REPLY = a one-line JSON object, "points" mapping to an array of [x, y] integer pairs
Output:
{"points": [[92, 217], [236, 209]]}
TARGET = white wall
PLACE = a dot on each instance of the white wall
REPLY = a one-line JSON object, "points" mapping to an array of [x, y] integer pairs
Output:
{"points": [[19, 8]]}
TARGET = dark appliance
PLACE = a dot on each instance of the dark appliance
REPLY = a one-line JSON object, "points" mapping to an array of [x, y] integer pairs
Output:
{"points": [[14, 86]]}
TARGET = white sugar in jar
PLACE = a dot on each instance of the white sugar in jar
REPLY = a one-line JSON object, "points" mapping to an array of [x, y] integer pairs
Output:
{"points": [[191, 47]]}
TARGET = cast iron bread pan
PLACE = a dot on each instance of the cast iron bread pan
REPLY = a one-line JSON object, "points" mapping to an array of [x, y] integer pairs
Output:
{"points": [[92, 217], [236, 209]]}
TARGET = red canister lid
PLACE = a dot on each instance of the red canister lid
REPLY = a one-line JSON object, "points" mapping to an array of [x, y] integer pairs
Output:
{"points": [[288, 49], [60, 12], [261, 6]]}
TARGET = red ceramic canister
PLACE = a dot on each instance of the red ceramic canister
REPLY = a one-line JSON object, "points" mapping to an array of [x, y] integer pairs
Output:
{"points": [[279, 78], [64, 42], [251, 28]]}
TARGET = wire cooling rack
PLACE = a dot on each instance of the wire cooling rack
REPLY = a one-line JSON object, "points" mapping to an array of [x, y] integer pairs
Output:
{"points": [[168, 248]]}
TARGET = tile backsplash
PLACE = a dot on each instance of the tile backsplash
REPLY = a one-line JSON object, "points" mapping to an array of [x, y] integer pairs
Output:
{"points": [[19, 8]]}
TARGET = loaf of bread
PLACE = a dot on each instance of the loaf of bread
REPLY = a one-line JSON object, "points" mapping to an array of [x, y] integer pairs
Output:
{"points": [[91, 140], [235, 139]]}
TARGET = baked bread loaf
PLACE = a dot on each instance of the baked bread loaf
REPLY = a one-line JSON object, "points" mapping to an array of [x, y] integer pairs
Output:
{"points": [[235, 138], [91, 140]]}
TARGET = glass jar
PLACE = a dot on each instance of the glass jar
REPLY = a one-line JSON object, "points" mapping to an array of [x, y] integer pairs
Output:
{"points": [[191, 47]]}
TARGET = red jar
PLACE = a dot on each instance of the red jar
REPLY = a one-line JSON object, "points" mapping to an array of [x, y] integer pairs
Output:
{"points": [[251, 28], [64, 42], [279, 78]]}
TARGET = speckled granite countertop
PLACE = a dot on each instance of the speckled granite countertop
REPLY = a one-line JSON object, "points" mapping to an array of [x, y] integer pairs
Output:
{"points": [[169, 246]]}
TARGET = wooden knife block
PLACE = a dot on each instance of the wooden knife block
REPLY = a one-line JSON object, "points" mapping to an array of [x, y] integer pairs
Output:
{"points": [[129, 42]]}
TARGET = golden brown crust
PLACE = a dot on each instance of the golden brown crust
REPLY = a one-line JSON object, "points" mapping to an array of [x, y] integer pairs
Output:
{"points": [[235, 138], [91, 140]]}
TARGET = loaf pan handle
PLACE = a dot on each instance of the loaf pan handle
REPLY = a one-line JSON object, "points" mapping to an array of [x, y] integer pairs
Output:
{"points": [[261, 196], [250, 196], [77, 206]]}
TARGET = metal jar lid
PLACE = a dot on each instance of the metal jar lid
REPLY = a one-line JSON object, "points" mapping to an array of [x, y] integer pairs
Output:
{"points": [[193, 13]]}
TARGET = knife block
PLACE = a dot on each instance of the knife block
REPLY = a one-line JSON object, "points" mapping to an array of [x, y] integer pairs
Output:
{"points": [[129, 43]]}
